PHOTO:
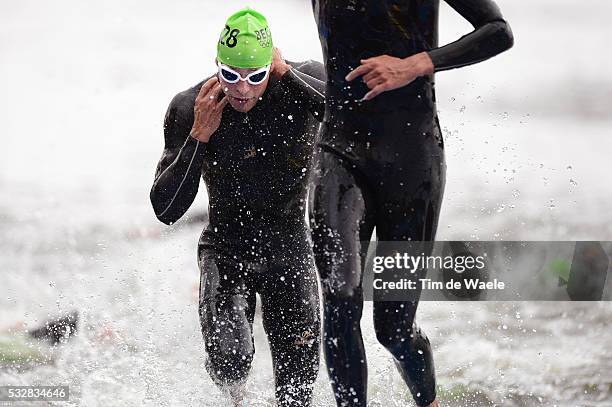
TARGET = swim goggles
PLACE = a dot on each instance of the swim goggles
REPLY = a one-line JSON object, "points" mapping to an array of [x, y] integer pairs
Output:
{"points": [[254, 78]]}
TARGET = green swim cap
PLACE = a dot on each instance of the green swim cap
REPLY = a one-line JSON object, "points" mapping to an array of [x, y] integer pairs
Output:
{"points": [[246, 41]]}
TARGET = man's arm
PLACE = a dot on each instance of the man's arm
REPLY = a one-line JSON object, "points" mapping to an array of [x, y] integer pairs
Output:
{"points": [[491, 36], [309, 77], [187, 128], [178, 172], [304, 80]]}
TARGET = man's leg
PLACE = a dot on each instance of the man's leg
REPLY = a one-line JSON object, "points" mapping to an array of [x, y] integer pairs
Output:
{"points": [[227, 308], [290, 308], [410, 214], [398, 332], [341, 219]]}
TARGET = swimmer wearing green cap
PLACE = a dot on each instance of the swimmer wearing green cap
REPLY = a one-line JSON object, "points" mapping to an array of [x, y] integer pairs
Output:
{"points": [[249, 131]]}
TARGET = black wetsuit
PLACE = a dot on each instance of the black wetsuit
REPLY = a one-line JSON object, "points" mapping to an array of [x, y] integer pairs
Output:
{"points": [[381, 164], [256, 168]]}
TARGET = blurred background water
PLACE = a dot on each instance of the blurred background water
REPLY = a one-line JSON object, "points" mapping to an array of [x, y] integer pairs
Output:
{"points": [[85, 86]]}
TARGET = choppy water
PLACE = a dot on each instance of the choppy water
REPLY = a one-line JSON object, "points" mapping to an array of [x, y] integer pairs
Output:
{"points": [[85, 86]]}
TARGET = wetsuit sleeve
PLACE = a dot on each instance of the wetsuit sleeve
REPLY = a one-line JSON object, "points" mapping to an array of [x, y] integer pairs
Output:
{"points": [[491, 36], [308, 80], [178, 172]]}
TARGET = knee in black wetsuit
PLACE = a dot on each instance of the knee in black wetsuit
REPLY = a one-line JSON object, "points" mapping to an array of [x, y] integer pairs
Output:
{"points": [[399, 334], [291, 319], [227, 308]]}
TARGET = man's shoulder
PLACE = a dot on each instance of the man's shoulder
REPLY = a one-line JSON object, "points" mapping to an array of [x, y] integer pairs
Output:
{"points": [[310, 67]]}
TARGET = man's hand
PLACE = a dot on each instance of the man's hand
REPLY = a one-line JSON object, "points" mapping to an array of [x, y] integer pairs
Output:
{"points": [[384, 72], [279, 66], [208, 109]]}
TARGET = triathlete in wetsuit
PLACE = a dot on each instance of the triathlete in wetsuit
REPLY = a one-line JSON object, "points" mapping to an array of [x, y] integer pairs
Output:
{"points": [[255, 158], [382, 165]]}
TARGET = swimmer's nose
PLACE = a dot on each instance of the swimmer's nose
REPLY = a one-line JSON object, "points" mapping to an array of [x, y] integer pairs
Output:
{"points": [[243, 88]]}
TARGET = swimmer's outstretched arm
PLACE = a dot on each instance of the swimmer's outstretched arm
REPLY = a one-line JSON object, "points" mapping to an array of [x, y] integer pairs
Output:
{"points": [[491, 36], [187, 128]]}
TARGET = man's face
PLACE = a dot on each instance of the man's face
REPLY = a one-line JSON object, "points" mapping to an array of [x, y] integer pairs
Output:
{"points": [[242, 95]]}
